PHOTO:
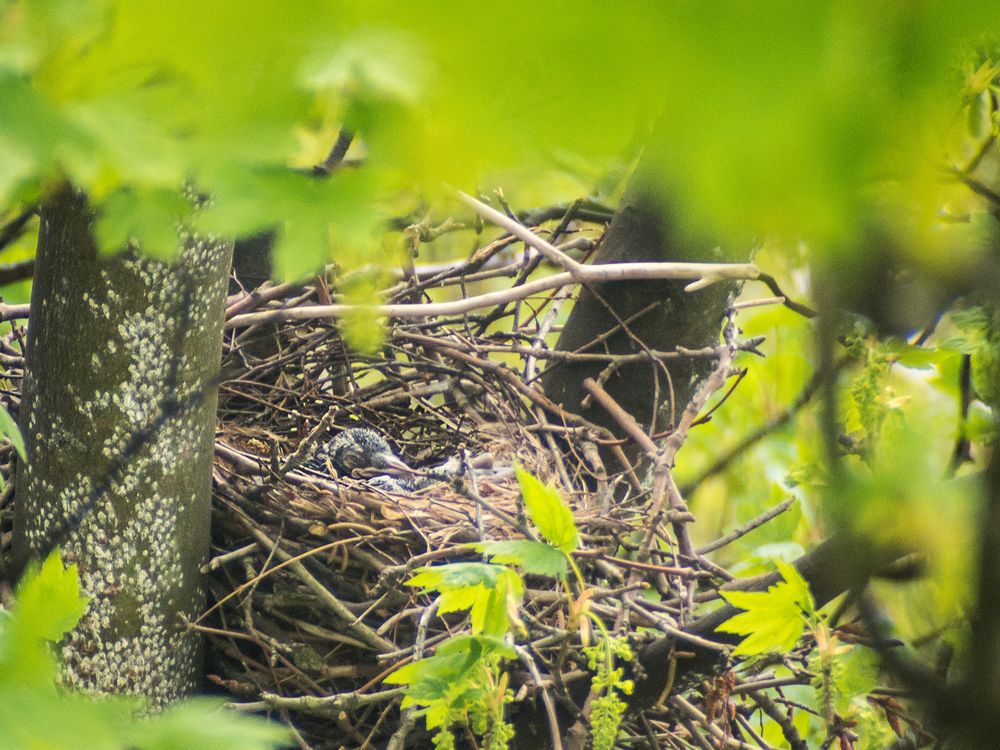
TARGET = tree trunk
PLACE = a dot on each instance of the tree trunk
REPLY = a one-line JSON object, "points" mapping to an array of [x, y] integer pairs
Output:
{"points": [[665, 317], [112, 342]]}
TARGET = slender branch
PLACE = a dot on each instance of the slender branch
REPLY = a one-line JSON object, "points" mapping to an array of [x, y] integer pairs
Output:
{"points": [[975, 186], [746, 528], [962, 452], [788, 729], [625, 420], [15, 227], [798, 307], [14, 312], [772, 425], [686, 708], [408, 715], [327, 705], [550, 709], [19, 271], [524, 234], [539, 352], [701, 272], [332, 603], [336, 155]]}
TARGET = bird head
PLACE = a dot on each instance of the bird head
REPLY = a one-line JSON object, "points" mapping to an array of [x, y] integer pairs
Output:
{"points": [[361, 448]]}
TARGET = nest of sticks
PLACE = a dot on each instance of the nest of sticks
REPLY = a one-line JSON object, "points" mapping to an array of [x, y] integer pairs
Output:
{"points": [[310, 612], [308, 609]]}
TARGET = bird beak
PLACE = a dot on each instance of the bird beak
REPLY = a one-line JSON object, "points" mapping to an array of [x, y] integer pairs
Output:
{"points": [[397, 466]]}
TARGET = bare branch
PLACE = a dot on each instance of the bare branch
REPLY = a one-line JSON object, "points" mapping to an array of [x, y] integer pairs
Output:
{"points": [[590, 274]]}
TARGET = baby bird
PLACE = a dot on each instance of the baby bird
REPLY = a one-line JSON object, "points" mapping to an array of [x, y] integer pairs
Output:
{"points": [[357, 448], [360, 448]]}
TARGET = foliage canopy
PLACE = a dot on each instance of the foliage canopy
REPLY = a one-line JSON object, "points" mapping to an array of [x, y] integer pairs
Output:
{"points": [[805, 104]]}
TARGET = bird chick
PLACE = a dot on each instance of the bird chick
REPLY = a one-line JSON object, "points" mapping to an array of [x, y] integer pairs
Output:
{"points": [[357, 448]]}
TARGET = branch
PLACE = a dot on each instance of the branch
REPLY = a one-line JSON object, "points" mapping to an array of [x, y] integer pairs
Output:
{"points": [[835, 566], [14, 312], [326, 706], [550, 709], [19, 271], [336, 155], [524, 234], [358, 629], [702, 273], [798, 307], [746, 528], [772, 425], [15, 227]]}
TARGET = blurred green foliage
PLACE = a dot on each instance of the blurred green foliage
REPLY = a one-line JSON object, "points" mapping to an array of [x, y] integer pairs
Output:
{"points": [[37, 713], [769, 118]]}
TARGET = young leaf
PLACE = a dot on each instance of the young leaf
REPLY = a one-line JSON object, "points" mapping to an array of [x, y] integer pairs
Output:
{"points": [[147, 218], [453, 576], [487, 590], [495, 613], [9, 430], [459, 599], [774, 619], [452, 659], [535, 558], [800, 588], [201, 722], [47, 604], [549, 513]]}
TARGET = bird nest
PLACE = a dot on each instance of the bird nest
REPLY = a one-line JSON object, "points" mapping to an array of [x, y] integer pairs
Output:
{"points": [[309, 608]]}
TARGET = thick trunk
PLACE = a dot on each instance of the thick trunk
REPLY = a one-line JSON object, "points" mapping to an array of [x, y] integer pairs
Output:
{"points": [[111, 341], [660, 314]]}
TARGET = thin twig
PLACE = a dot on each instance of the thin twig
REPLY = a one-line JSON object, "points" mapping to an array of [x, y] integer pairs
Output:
{"points": [[747, 527], [555, 734], [336, 155], [712, 272]]}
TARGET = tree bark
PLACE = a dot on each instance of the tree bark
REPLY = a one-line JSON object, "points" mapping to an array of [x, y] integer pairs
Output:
{"points": [[665, 317], [112, 341]]}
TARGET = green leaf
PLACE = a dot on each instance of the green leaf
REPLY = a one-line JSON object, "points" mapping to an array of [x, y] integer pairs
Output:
{"points": [[774, 619], [47, 605], [918, 357], [9, 430], [459, 599], [454, 576], [148, 220], [535, 558], [35, 713], [38, 28], [34, 716], [433, 677], [201, 722], [549, 513], [375, 63], [66, 721], [854, 674], [799, 587], [492, 614], [491, 592], [363, 330], [34, 132]]}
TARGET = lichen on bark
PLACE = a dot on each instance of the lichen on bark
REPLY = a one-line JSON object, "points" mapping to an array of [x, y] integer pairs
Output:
{"points": [[111, 339]]}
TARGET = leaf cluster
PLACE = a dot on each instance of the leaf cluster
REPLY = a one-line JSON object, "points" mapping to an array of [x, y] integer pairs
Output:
{"points": [[36, 712], [466, 672], [130, 99]]}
